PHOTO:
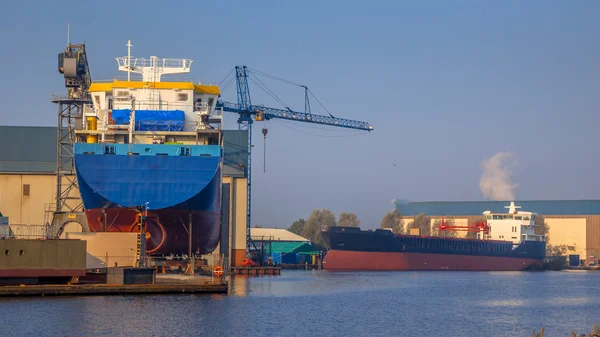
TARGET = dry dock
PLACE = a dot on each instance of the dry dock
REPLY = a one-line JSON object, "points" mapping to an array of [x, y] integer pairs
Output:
{"points": [[108, 289], [255, 270], [163, 285]]}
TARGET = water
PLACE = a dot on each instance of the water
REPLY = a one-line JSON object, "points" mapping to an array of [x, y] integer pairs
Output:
{"points": [[318, 303]]}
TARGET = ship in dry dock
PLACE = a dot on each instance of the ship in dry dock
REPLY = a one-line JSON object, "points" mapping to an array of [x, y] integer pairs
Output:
{"points": [[152, 143]]}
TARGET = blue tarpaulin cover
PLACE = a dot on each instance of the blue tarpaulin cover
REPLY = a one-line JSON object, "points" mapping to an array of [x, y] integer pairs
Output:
{"points": [[152, 120]]}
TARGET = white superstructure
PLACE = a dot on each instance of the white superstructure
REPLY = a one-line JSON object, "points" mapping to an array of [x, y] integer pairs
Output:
{"points": [[151, 86], [516, 226]]}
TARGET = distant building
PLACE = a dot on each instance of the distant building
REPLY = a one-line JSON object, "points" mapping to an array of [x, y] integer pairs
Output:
{"points": [[573, 223], [283, 246]]}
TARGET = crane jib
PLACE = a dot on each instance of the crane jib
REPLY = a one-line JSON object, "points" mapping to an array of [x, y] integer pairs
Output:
{"points": [[269, 113]]}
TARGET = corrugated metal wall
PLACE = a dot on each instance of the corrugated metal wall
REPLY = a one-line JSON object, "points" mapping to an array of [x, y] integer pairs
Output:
{"points": [[593, 235], [27, 149], [235, 153]]}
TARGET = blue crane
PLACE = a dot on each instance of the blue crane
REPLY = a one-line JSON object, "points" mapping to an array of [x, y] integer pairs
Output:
{"points": [[249, 113]]}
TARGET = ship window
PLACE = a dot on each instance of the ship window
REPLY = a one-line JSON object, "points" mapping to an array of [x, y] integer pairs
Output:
{"points": [[518, 217], [182, 97], [184, 151], [507, 216], [26, 190], [210, 101], [526, 217], [489, 217], [109, 149]]}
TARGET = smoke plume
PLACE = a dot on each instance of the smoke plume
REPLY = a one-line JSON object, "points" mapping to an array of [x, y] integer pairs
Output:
{"points": [[496, 183]]}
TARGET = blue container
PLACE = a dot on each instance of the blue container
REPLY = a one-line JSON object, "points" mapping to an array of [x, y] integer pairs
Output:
{"points": [[276, 258], [573, 260]]}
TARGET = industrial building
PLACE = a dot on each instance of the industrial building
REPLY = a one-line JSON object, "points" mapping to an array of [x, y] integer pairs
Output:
{"points": [[573, 223], [283, 246], [28, 161]]}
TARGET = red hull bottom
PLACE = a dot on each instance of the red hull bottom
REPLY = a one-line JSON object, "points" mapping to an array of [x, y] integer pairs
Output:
{"points": [[341, 260], [166, 230]]}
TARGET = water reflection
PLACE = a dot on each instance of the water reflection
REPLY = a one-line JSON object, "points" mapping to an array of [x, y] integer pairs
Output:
{"points": [[301, 303], [571, 301], [505, 303]]}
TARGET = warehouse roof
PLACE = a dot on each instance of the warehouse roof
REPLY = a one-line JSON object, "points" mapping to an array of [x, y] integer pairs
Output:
{"points": [[32, 149], [464, 208], [276, 234]]}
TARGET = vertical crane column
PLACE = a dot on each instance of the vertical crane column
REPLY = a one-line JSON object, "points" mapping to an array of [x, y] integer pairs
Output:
{"points": [[245, 123], [72, 63]]}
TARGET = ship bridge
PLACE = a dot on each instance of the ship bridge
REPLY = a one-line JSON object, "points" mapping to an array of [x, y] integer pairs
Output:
{"points": [[516, 226]]}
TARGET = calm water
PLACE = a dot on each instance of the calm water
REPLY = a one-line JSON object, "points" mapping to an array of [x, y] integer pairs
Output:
{"points": [[317, 303]]}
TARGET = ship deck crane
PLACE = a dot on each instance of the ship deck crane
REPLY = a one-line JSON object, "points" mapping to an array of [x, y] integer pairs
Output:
{"points": [[479, 227], [248, 113]]}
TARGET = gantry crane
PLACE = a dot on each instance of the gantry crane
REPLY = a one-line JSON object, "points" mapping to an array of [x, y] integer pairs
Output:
{"points": [[73, 65], [248, 113]]}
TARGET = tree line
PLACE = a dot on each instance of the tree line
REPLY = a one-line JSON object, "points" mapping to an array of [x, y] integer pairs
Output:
{"points": [[322, 218]]}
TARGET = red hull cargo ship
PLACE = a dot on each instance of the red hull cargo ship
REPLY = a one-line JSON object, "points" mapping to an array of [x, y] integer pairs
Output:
{"points": [[505, 242]]}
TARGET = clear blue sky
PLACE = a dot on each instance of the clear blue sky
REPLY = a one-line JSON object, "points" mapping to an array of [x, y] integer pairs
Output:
{"points": [[446, 84]]}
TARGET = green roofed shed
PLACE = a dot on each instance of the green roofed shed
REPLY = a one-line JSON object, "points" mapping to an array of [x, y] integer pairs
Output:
{"points": [[291, 247]]}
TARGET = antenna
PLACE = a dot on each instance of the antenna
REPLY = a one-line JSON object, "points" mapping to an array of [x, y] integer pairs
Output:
{"points": [[68, 33], [512, 209], [128, 60]]}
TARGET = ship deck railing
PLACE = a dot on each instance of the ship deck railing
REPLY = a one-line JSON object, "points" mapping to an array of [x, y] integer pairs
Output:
{"points": [[157, 62], [164, 78], [155, 127]]}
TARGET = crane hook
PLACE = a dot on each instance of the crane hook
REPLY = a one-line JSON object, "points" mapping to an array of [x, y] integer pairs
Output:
{"points": [[264, 132]]}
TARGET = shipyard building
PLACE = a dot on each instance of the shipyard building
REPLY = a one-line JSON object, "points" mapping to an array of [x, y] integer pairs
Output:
{"points": [[572, 223], [28, 184]]}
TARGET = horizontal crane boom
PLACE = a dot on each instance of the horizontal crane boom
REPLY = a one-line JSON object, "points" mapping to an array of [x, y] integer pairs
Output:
{"points": [[267, 113]]}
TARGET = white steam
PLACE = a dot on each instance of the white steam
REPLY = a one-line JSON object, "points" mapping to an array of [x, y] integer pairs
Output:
{"points": [[496, 183]]}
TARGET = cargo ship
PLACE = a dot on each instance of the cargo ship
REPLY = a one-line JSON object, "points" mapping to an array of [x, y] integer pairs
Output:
{"points": [[505, 242], [151, 144]]}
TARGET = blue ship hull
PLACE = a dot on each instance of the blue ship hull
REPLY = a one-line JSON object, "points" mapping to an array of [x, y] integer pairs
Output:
{"points": [[179, 184]]}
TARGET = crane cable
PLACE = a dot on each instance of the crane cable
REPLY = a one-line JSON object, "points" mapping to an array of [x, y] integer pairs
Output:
{"points": [[292, 83]]}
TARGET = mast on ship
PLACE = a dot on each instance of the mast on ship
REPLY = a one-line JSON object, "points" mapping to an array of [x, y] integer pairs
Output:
{"points": [[153, 68]]}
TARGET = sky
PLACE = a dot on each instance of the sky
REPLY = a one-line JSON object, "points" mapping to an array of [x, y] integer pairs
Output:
{"points": [[446, 85]]}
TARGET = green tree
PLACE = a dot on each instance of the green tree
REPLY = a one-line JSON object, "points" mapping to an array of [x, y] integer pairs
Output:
{"points": [[393, 220], [558, 250], [541, 227], [423, 223], [348, 220], [298, 226], [319, 219], [435, 231]]}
